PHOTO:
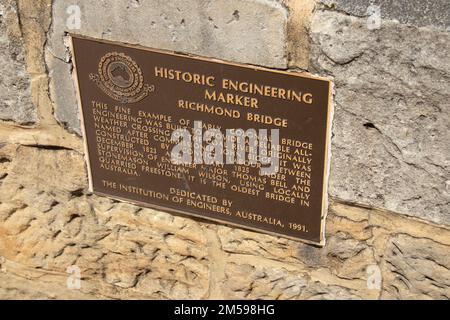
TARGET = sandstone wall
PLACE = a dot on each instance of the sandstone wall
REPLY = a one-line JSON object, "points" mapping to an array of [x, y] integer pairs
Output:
{"points": [[387, 230]]}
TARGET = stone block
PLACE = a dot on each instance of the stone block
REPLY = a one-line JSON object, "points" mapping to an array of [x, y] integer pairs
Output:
{"points": [[15, 83], [392, 107], [251, 31], [414, 12]]}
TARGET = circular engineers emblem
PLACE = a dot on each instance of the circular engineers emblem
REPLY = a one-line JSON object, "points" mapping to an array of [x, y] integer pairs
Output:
{"points": [[120, 77]]}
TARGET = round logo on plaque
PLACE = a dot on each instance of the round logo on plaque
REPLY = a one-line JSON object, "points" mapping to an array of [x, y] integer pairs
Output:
{"points": [[120, 77]]}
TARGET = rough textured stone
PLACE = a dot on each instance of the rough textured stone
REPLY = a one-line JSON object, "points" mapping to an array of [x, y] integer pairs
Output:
{"points": [[49, 227], [300, 14], [251, 31], [416, 268], [415, 12], [389, 150], [15, 87], [62, 93], [390, 132], [409, 256], [43, 285], [48, 222]]}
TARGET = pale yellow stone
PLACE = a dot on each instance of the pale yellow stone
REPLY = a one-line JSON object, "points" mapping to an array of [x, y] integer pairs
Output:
{"points": [[49, 222]]}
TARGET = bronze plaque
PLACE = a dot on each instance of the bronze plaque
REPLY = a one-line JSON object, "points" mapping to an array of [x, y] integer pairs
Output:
{"points": [[132, 99]]}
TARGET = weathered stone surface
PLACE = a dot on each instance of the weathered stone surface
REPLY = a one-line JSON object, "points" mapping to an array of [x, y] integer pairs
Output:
{"points": [[15, 87], [409, 257], [48, 222], [337, 271], [416, 268], [390, 145], [35, 285], [251, 31], [300, 14], [62, 93], [246, 281], [415, 12], [251, 281], [390, 149]]}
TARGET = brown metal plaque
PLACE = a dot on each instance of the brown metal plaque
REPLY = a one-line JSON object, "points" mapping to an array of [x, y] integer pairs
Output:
{"points": [[133, 98]]}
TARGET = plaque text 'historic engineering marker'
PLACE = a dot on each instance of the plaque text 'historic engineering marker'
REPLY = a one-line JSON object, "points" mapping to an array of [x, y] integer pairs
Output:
{"points": [[134, 99]]}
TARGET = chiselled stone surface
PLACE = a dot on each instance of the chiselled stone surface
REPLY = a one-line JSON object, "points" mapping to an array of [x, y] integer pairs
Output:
{"points": [[416, 268], [48, 222], [390, 150], [251, 31], [248, 281], [392, 104], [27, 283], [416, 12], [62, 93], [337, 271], [408, 255], [15, 87]]}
